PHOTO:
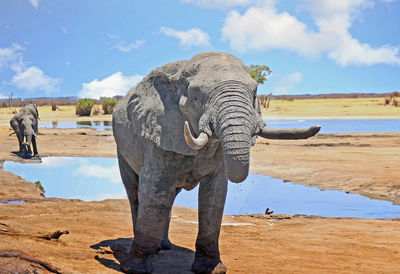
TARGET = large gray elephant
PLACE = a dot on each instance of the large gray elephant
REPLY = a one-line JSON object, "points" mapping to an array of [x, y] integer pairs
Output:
{"points": [[25, 126], [212, 97]]}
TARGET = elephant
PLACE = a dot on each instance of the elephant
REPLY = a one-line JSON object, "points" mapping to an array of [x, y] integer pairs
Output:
{"points": [[187, 122], [25, 126]]}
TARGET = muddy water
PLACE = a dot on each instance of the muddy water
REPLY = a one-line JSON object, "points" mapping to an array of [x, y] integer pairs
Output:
{"points": [[93, 179]]}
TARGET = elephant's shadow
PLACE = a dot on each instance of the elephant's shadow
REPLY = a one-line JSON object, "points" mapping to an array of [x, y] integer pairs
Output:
{"points": [[176, 260], [24, 156]]}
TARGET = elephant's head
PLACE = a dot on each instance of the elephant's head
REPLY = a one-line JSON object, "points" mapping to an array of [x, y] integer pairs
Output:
{"points": [[214, 96], [220, 102]]}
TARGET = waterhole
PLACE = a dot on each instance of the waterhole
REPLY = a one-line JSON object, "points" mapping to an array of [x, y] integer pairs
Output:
{"points": [[94, 179]]}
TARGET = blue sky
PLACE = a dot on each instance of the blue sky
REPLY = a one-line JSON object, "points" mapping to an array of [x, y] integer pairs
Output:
{"points": [[99, 48]]}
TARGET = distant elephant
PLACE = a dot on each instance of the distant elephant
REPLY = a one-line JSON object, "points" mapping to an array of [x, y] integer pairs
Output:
{"points": [[25, 125], [213, 97]]}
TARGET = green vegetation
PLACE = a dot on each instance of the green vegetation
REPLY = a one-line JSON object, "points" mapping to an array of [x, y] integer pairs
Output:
{"points": [[259, 73], [84, 107], [109, 105]]}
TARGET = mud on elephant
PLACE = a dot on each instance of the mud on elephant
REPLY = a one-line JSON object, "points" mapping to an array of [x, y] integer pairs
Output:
{"points": [[25, 126], [212, 97]]}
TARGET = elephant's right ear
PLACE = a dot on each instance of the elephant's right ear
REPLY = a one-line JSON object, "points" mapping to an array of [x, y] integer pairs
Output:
{"points": [[153, 109], [36, 110]]}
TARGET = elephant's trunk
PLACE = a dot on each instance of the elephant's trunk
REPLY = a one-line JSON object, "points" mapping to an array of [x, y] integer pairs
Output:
{"points": [[28, 137], [233, 126]]}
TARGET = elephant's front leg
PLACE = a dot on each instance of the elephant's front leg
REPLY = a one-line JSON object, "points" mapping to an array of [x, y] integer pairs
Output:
{"points": [[165, 242], [155, 194], [20, 141], [212, 195], [34, 145]]}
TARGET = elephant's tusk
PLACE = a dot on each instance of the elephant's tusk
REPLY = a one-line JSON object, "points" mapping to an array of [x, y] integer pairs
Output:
{"points": [[37, 137], [194, 143], [289, 134]]}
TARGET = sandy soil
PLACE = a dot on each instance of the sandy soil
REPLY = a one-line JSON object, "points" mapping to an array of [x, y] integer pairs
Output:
{"points": [[100, 232]]}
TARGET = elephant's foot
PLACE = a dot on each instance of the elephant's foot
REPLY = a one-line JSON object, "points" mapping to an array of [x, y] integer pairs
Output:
{"points": [[204, 264], [165, 244], [26, 155], [140, 259], [137, 264]]}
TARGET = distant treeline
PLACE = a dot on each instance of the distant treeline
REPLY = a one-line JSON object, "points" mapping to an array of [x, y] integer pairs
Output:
{"points": [[331, 96], [48, 101], [65, 101]]}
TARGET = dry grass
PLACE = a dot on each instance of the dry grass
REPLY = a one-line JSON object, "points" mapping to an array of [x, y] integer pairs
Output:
{"points": [[357, 107], [63, 113]]}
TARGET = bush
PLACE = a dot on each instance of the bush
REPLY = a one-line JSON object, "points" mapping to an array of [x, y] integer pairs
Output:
{"points": [[84, 107], [109, 105]]}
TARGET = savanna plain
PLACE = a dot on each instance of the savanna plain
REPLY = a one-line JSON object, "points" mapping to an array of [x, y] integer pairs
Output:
{"points": [[100, 232]]}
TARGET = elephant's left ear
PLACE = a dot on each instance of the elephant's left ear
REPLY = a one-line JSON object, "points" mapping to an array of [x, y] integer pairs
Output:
{"points": [[154, 111]]}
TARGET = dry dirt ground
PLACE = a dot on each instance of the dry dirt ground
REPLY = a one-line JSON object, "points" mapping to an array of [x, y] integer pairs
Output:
{"points": [[100, 232]]}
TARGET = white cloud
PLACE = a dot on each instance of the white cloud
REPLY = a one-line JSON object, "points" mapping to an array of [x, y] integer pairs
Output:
{"points": [[10, 56], [116, 84], [64, 30], [101, 197], [26, 78], [219, 4], [354, 52], [53, 162], [110, 173], [287, 82], [125, 47], [117, 195], [122, 46], [34, 3], [33, 79], [263, 27], [191, 38]]}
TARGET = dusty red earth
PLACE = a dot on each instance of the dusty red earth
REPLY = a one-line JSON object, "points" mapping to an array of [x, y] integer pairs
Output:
{"points": [[100, 232]]}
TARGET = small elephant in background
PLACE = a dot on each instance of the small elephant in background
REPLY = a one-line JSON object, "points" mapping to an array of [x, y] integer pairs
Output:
{"points": [[25, 126], [186, 123]]}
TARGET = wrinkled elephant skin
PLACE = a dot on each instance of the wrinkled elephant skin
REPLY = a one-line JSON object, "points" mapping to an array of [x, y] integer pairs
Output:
{"points": [[187, 122]]}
